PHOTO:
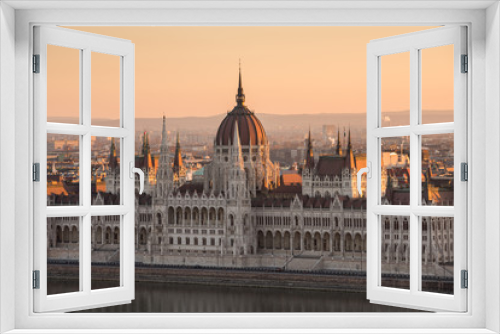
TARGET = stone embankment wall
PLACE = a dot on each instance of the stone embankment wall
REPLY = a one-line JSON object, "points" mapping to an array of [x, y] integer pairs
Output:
{"points": [[339, 280]]}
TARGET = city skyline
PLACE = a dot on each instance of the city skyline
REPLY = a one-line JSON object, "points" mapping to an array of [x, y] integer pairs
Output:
{"points": [[190, 71]]}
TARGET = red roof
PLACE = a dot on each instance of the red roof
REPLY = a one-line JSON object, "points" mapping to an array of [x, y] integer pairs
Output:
{"points": [[250, 129]]}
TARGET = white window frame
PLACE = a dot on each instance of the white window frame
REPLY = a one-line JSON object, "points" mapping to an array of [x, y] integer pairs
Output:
{"points": [[86, 44], [484, 120], [413, 43]]}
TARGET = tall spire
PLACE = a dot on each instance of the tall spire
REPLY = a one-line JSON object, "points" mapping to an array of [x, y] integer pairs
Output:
{"points": [[178, 164], [240, 97], [310, 154], [146, 150], [113, 162], [349, 146], [339, 147], [237, 154], [164, 144]]}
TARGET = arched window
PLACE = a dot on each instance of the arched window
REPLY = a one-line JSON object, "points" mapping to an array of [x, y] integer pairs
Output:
{"points": [[405, 224], [158, 218]]}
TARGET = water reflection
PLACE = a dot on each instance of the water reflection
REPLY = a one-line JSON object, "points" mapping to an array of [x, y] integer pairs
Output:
{"points": [[186, 298]]}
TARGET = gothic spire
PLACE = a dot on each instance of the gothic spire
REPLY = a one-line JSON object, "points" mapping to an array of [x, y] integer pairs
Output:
{"points": [[164, 145], [240, 97], [339, 148], [237, 154], [310, 153], [148, 164], [349, 146], [178, 164], [113, 162]]}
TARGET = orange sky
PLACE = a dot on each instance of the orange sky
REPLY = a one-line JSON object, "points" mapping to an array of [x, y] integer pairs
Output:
{"points": [[193, 71]]}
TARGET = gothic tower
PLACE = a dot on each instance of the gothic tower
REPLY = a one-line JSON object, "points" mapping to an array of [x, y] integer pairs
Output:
{"points": [[164, 182], [179, 169]]}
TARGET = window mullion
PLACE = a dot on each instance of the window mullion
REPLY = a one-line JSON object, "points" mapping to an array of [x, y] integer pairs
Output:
{"points": [[86, 173], [415, 182]]}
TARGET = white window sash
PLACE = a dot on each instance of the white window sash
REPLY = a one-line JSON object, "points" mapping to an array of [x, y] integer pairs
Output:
{"points": [[86, 297], [414, 297]]}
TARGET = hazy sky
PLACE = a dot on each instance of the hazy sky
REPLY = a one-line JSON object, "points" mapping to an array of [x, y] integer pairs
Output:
{"points": [[193, 71]]}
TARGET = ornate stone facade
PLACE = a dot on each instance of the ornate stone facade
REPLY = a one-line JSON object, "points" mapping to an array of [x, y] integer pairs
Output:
{"points": [[241, 215]]}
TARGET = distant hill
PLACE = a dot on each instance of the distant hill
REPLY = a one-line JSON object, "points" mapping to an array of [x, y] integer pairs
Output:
{"points": [[271, 122]]}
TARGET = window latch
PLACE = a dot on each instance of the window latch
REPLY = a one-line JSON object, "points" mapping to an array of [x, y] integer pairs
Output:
{"points": [[368, 171], [132, 171]]}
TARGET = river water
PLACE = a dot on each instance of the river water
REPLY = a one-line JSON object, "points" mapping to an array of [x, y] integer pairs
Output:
{"points": [[174, 297]]}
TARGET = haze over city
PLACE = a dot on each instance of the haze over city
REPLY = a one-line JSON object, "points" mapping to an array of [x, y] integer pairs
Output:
{"points": [[192, 71]]}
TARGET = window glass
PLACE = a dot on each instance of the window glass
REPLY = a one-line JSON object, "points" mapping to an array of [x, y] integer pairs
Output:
{"points": [[437, 84], [106, 94], [395, 170], [63, 255], [63, 84], [106, 235], [63, 170], [437, 254], [395, 252], [395, 89]]}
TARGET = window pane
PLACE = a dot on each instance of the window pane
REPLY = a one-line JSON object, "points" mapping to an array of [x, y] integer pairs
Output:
{"points": [[106, 85], [395, 89], [63, 84], [395, 252], [63, 169], [105, 171], [437, 84], [63, 254], [437, 254], [106, 251], [395, 170], [437, 169]]}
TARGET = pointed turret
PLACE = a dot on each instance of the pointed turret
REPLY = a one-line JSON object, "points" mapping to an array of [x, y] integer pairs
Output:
{"points": [[310, 154]]}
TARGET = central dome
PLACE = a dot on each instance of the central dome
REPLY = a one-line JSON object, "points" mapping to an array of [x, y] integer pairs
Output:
{"points": [[250, 129]]}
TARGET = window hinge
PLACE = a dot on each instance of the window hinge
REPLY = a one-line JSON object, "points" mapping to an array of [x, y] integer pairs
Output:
{"points": [[36, 279], [36, 172], [465, 64], [465, 279], [36, 63], [464, 171]]}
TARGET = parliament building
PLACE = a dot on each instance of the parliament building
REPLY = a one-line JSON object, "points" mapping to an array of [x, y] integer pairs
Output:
{"points": [[241, 214]]}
